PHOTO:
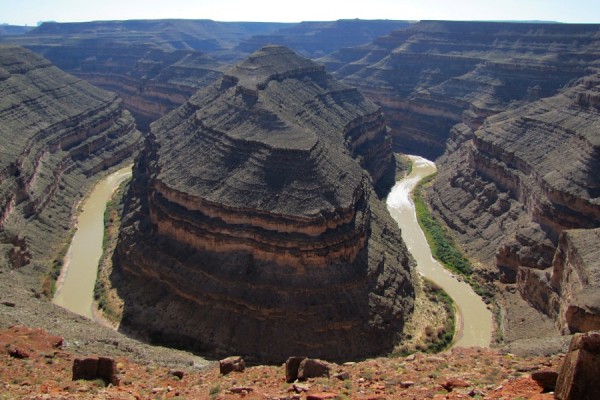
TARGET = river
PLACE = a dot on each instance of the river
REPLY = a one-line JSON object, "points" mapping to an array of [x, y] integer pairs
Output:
{"points": [[75, 286], [474, 319]]}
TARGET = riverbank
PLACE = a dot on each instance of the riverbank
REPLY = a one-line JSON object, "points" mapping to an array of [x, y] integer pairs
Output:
{"points": [[475, 324]]}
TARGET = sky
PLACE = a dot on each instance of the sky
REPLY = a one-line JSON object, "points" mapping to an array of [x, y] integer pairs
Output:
{"points": [[31, 12]]}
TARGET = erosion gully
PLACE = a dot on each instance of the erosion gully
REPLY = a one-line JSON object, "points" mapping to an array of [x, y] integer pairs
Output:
{"points": [[474, 318]]}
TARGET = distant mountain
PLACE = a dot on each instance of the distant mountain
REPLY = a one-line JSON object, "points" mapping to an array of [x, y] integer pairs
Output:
{"points": [[14, 29], [316, 39]]}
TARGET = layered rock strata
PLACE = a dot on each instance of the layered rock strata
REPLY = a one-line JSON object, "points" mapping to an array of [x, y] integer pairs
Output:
{"points": [[156, 65], [252, 228], [435, 74], [523, 194], [151, 78], [57, 133]]}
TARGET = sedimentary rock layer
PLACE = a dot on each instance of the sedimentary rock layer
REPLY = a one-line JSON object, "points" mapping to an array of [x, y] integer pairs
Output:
{"points": [[435, 74], [156, 65], [151, 78], [57, 131], [524, 179], [252, 226]]}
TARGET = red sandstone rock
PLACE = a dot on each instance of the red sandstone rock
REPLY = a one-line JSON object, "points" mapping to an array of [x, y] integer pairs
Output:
{"points": [[578, 378], [546, 379], [232, 364], [313, 368], [453, 383], [93, 368], [85, 368], [18, 352], [291, 368], [321, 396]]}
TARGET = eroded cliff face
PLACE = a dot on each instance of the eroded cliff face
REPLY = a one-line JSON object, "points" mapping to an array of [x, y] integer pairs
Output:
{"points": [[514, 190], [57, 132], [151, 78], [436, 74], [252, 225]]}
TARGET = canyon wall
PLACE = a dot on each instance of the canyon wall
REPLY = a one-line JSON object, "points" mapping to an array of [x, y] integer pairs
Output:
{"points": [[522, 193], [57, 132], [435, 74], [252, 226], [155, 65], [151, 78], [513, 108]]}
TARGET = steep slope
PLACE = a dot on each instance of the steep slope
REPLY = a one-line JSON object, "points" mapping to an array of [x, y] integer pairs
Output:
{"points": [[57, 131], [435, 74], [251, 227], [523, 180]]}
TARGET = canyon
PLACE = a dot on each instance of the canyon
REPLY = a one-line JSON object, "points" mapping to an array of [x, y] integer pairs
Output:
{"points": [[273, 242], [58, 132], [156, 65], [510, 112], [527, 183], [436, 74]]}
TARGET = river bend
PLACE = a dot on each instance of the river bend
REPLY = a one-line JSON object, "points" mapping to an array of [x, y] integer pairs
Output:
{"points": [[475, 319]]}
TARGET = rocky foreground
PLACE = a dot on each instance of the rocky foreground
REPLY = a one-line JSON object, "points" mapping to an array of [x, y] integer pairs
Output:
{"points": [[37, 365], [252, 225]]}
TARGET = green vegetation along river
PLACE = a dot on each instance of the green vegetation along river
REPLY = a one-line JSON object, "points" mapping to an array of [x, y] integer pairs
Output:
{"points": [[475, 320], [75, 287]]}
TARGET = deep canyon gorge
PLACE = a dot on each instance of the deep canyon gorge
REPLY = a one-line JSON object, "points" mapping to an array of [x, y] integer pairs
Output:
{"points": [[254, 223]]}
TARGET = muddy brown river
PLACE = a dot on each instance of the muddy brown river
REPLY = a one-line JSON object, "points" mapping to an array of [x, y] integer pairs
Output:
{"points": [[75, 286], [474, 319]]}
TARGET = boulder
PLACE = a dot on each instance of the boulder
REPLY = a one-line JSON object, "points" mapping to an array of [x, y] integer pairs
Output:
{"points": [[313, 368], [453, 383], [85, 368], [578, 375], [292, 365], [177, 373], [92, 368], [18, 352], [232, 364], [546, 379]]}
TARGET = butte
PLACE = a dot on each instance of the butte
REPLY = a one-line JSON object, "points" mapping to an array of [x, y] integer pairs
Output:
{"points": [[252, 226]]}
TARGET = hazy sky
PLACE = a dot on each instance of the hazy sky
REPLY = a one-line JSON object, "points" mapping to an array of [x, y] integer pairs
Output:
{"points": [[30, 12]]}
